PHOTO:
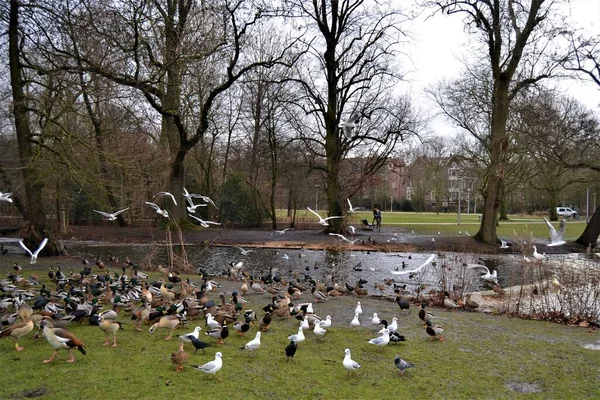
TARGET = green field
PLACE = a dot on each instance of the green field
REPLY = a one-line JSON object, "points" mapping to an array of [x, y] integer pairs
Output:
{"points": [[447, 224]]}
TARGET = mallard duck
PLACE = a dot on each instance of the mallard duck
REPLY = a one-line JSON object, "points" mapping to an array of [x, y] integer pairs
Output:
{"points": [[257, 288], [241, 328], [449, 303], [435, 331], [61, 339], [283, 312], [402, 364], [211, 367], [219, 333], [318, 295], [179, 358], [109, 326], [349, 363], [168, 321], [424, 314], [18, 330], [265, 322], [166, 293]]}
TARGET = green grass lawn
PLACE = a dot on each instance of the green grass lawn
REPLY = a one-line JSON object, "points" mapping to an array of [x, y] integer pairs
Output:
{"points": [[447, 224], [482, 356]]}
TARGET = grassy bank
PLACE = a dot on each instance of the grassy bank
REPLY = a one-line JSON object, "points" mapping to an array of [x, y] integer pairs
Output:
{"points": [[482, 356]]}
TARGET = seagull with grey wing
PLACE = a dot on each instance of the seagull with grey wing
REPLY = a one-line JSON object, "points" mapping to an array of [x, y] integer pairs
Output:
{"points": [[203, 223], [344, 238], [323, 221], [353, 209], [158, 210], [556, 237], [110, 216], [6, 197], [190, 196], [414, 271], [35, 254], [351, 123], [166, 194]]}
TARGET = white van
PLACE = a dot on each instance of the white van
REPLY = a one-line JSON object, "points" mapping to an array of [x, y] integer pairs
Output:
{"points": [[566, 212]]}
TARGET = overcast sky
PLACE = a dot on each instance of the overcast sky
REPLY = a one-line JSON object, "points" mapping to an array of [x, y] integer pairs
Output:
{"points": [[440, 43]]}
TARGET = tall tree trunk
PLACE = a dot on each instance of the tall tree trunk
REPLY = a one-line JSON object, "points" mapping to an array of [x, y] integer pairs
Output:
{"points": [[498, 156], [589, 237], [273, 146], [37, 227]]}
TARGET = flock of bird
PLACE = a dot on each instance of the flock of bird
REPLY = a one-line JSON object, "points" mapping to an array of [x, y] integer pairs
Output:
{"points": [[170, 302]]}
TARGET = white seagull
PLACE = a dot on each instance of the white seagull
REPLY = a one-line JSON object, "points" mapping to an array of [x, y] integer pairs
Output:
{"points": [[430, 259], [350, 124], [282, 231], [382, 340], [487, 276], [253, 344], [109, 216], [211, 367], [159, 210], [344, 238], [537, 255], [190, 196], [6, 197], [165, 194], [297, 337], [203, 223], [244, 252], [503, 244], [375, 320], [195, 333], [556, 237], [355, 321], [353, 209], [358, 309], [319, 330], [323, 221], [325, 323], [349, 363], [34, 255]]}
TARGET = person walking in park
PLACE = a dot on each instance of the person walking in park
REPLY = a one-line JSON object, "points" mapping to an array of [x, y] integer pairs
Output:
{"points": [[377, 219]]}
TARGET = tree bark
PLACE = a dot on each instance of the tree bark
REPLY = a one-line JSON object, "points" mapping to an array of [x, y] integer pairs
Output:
{"points": [[37, 227], [589, 237]]}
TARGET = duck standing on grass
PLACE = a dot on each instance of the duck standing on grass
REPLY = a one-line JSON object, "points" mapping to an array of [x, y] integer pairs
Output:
{"points": [[179, 358], [434, 331], [61, 339], [17, 331]]}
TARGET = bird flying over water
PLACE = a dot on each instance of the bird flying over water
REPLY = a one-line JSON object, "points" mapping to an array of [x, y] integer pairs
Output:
{"points": [[35, 254], [556, 237], [323, 221]]}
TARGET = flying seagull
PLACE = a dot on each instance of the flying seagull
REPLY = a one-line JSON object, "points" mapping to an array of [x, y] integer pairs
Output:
{"points": [[34, 255], [556, 237], [190, 196], [203, 223], [353, 209], [6, 197], [282, 231], [350, 124], [323, 221], [487, 276], [430, 259], [344, 238], [166, 194], [109, 216], [244, 252], [159, 210]]}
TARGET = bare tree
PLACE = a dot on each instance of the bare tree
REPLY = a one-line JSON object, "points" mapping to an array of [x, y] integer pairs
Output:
{"points": [[515, 36], [349, 69]]}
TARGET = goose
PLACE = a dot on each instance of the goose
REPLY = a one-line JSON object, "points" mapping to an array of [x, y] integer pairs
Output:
{"points": [[35, 254], [211, 367], [17, 331], [109, 326], [556, 237], [323, 221], [402, 364], [61, 339], [168, 321], [349, 363]]}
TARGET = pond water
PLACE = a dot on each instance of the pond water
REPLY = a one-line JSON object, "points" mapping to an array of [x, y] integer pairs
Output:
{"points": [[447, 271]]}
